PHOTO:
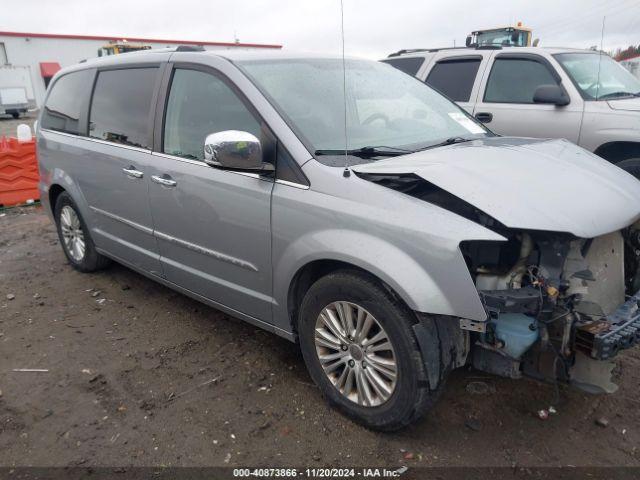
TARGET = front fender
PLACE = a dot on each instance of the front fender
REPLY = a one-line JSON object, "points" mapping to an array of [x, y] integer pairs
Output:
{"points": [[447, 289]]}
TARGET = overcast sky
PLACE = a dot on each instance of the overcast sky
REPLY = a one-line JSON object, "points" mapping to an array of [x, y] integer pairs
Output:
{"points": [[373, 28]]}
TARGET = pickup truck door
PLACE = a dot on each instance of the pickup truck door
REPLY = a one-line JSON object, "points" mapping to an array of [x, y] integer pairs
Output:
{"points": [[505, 102]]}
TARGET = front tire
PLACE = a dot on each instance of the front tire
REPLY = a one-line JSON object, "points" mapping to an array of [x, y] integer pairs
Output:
{"points": [[359, 346], [75, 238], [631, 165]]}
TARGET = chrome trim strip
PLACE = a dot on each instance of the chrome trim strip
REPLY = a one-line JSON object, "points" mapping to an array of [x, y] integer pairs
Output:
{"points": [[137, 226], [293, 184], [202, 164], [97, 140], [212, 253]]}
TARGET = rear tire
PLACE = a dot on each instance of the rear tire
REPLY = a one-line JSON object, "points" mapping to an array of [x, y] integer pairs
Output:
{"points": [[15, 115], [411, 396], [75, 238], [631, 165]]}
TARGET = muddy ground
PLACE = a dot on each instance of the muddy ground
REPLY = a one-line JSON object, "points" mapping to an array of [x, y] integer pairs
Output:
{"points": [[137, 374]]}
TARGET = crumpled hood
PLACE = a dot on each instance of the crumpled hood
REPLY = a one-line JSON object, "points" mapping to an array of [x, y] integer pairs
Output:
{"points": [[627, 104], [532, 184]]}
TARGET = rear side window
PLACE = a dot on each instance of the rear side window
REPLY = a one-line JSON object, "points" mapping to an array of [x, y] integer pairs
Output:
{"points": [[64, 104], [515, 80], [121, 106], [454, 78], [199, 104], [409, 65]]}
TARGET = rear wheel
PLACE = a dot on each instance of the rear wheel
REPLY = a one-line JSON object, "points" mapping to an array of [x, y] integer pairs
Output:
{"points": [[75, 237], [15, 115], [359, 346], [632, 165]]}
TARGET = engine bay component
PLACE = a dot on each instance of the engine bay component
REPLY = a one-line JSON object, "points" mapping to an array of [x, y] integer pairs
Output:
{"points": [[517, 332]]}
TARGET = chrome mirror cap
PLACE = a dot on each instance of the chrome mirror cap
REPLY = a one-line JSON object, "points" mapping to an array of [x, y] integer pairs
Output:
{"points": [[234, 150]]}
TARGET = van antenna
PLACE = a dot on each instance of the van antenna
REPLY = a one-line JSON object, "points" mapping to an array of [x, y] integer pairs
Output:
{"points": [[600, 57], [346, 172]]}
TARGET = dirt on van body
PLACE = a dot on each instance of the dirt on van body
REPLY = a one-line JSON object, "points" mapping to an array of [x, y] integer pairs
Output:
{"points": [[136, 374]]}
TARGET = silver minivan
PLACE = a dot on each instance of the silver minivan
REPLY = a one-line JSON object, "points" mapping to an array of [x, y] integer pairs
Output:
{"points": [[545, 92], [352, 209]]}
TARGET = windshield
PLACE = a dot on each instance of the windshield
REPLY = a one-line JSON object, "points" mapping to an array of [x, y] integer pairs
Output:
{"points": [[503, 37], [598, 76], [385, 107]]}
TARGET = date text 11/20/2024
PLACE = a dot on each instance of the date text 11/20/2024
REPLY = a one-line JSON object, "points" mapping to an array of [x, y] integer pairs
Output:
{"points": [[319, 472]]}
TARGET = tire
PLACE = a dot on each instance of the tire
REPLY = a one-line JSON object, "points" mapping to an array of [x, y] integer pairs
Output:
{"points": [[90, 260], [411, 396], [631, 165], [15, 115]]}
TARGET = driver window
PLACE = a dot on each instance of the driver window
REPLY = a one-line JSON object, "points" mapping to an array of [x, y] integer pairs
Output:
{"points": [[515, 80], [199, 104]]}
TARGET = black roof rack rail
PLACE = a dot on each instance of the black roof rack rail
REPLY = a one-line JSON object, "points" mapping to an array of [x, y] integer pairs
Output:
{"points": [[190, 48], [488, 47], [418, 50]]}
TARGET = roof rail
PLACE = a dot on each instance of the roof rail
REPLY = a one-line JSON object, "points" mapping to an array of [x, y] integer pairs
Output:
{"points": [[418, 50], [190, 48], [488, 47]]}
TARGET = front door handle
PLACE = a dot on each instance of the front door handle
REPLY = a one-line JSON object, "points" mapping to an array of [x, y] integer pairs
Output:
{"points": [[132, 172], [165, 180], [484, 117]]}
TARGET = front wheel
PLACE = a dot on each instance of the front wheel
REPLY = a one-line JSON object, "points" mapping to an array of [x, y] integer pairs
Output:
{"points": [[75, 237], [359, 346], [632, 165]]}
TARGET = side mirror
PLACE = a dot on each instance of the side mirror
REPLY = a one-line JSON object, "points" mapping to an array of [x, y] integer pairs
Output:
{"points": [[235, 150], [468, 41], [550, 94]]}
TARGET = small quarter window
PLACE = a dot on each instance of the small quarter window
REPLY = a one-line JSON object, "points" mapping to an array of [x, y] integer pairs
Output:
{"points": [[121, 106], [454, 78], [64, 104]]}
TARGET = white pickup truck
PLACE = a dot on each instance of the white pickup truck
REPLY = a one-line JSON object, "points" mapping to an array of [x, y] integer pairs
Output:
{"points": [[580, 95]]}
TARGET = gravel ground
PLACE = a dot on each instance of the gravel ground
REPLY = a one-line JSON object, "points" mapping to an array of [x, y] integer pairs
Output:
{"points": [[8, 125], [138, 375]]}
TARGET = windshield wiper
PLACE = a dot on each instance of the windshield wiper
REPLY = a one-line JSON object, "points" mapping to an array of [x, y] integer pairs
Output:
{"points": [[448, 141], [367, 152], [619, 95]]}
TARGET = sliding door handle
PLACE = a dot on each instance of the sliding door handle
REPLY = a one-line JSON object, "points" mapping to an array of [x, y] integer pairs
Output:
{"points": [[132, 172], [164, 180]]}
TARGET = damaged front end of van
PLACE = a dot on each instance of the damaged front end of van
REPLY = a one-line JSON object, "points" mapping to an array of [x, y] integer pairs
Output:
{"points": [[561, 289]]}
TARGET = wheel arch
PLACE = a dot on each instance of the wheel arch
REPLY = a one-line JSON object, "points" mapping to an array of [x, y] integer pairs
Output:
{"points": [[618, 151]]}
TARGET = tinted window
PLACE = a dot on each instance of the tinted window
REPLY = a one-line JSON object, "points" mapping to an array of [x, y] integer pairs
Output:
{"points": [[64, 104], [199, 104], [406, 65], [454, 78], [516, 80], [121, 106]]}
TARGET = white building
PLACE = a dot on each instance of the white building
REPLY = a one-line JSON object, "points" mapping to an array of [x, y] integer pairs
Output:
{"points": [[633, 65], [46, 53]]}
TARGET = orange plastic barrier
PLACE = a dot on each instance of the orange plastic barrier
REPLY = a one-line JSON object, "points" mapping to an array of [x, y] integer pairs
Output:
{"points": [[18, 172]]}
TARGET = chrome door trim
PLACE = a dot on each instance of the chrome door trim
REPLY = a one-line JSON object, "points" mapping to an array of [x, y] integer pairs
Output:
{"points": [[118, 218], [238, 262], [292, 184], [96, 140], [202, 164]]}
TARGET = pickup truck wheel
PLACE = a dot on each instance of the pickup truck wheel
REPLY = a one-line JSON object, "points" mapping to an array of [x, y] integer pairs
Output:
{"points": [[15, 115], [360, 348], [631, 165], [75, 237]]}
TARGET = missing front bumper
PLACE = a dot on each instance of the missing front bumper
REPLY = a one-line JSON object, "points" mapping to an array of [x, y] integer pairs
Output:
{"points": [[603, 339]]}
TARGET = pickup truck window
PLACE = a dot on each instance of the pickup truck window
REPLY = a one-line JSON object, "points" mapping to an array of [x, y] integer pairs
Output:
{"points": [[409, 65], [454, 77], [515, 80]]}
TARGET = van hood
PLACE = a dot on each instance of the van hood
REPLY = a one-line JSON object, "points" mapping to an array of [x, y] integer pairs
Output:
{"points": [[627, 104], [530, 184]]}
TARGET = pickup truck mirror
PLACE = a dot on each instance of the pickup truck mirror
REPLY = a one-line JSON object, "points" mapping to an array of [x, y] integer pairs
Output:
{"points": [[551, 94], [235, 150], [468, 41]]}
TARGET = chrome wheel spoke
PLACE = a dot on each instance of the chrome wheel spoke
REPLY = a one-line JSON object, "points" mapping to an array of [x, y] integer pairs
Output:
{"points": [[72, 233], [356, 354]]}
